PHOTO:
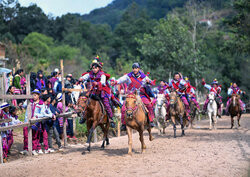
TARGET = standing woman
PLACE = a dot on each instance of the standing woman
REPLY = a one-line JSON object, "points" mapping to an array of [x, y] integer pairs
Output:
{"points": [[41, 83], [17, 79], [11, 91]]}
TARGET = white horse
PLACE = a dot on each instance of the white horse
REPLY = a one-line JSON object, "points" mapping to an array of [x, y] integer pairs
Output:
{"points": [[212, 110], [160, 113]]}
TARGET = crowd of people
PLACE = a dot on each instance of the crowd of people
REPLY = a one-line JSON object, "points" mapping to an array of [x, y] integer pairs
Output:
{"points": [[47, 100]]}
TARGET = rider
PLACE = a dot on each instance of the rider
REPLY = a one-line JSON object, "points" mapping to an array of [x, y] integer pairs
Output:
{"points": [[234, 89], [216, 89], [98, 79], [114, 93], [190, 93], [137, 80], [180, 85]]}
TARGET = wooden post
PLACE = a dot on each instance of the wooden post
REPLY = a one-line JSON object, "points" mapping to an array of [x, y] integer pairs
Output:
{"points": [[2, 87], [1, 149], [29, 114], [4, 84], [63, 100]]}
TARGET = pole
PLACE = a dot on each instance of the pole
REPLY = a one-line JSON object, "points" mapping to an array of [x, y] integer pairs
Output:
{"points": [[1, 149], [63, 100], [29, 114]]}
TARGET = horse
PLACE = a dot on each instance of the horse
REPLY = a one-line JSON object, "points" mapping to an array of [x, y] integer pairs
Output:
{"points": [[177, 112], [212, 108], [136, 118], [193, 112], [234, 109], [160, 113], [93, 111]]}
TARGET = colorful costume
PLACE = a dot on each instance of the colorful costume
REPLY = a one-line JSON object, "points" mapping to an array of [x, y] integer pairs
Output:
{"points": [[190, 94], [5, 135], [234, 90], [216, 89], [101, 88], [137, 82], [180, 86], [35, 112]]}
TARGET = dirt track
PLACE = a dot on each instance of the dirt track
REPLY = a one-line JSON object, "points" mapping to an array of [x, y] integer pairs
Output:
{"points": [[222, 152]]}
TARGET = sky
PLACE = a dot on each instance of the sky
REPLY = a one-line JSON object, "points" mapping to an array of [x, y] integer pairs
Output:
{"points": [[60, 7]]}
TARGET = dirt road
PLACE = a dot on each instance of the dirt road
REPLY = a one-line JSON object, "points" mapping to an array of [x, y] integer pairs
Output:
{"points": [[221, 152]]}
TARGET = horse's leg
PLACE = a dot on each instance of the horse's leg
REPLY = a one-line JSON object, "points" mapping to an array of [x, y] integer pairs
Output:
{"points": [[158, 126], [182, 126], [232, 121], [143, 146], [210, 120], [174, 125], [90, 135], [107, 134], [238, 118], [104, 135], [150, 134], [129, 131]]}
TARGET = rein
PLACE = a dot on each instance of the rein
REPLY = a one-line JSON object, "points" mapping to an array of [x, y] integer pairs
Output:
{"points": [[133, 109]]}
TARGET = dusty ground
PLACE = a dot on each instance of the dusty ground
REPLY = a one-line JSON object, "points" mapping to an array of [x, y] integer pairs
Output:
{"points": [[222, 152]]}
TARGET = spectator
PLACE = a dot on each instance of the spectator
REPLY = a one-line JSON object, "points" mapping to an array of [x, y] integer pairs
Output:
{"points": [[52, 129], [53, 79], [4, 114], [45, 125], [11, 91], [15, 120], [36, 106], [40, 81], [17, 79], [10, 79], [70, 131], [58, 85]]}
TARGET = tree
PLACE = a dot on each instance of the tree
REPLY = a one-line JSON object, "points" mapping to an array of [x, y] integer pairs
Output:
{"points": [[167, 50]]}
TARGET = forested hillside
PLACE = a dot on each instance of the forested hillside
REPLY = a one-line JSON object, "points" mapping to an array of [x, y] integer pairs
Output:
{"points": [[209, 39]]}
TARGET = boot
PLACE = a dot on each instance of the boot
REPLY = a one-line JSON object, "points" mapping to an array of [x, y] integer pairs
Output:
{"points": [[111, 121], [82, 121], [123, 127]]}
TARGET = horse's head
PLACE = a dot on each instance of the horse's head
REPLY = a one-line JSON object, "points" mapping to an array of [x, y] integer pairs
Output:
{"points": [[160, 100], [81, 103], [235, 99], [173, 98], [211, 96], [131, 104]]}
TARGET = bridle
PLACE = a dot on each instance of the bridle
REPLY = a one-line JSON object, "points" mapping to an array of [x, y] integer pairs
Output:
{"points": [[133, 110]]}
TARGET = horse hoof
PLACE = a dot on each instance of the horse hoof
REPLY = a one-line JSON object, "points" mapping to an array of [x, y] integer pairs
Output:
{"points": [[151, 139], [83, 153], [107, 144], [130, 153], [143, 151], [174, 136], [102, 147], [88, 148]]}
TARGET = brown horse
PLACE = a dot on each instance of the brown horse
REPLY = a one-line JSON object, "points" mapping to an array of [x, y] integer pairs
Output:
{"points": [[93, 111], [177, 112], [234, 109], [136, 118]]}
